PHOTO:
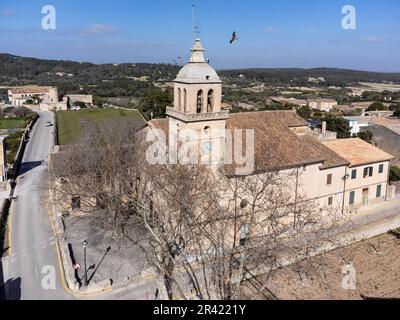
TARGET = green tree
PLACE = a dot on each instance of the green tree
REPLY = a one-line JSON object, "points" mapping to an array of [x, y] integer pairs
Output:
{"points": [[394, 173], [366, 136], [305, 112], [339, 125], [156, 102], [377, 106], [80, 104]]}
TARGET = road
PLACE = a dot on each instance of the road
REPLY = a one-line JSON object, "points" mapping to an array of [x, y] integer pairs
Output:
{"points": [[31, 272]]}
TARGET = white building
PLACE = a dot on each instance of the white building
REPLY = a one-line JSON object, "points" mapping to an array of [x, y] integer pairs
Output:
{"points": [[356, 123]]}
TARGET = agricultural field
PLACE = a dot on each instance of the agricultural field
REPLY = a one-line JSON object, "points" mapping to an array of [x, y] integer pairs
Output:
{"points": [[69, 123], [13, 123]]}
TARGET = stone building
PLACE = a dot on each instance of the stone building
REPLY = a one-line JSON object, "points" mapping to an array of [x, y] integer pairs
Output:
{"points": [[322, 104], [20, 95], [341, 174]]}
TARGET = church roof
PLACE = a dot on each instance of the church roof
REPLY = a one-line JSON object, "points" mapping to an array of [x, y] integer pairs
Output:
{"points": [[276, 146], [197, 70]]}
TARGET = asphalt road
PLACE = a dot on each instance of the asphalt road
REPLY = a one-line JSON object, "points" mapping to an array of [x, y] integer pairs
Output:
{"points": [[31, 272]]}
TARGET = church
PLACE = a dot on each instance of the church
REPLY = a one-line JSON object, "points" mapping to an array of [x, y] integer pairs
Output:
{"points": [[344, 174]]}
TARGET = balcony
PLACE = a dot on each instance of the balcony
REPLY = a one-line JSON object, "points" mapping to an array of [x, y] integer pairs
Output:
{"points": [[195, 117]]}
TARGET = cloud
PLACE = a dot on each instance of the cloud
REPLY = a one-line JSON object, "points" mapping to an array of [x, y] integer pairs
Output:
{"points": [[372, 40], [270, 29], [7, 13], [99, 29]]}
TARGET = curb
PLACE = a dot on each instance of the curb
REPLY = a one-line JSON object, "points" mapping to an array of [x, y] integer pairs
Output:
{"points": [[69, 285]]}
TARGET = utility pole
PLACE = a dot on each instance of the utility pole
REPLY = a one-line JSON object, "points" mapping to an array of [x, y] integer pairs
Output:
{"points": [[85, 279]]}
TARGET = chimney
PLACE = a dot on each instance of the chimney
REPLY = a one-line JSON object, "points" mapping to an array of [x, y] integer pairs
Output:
{"points": [[323, 128]]}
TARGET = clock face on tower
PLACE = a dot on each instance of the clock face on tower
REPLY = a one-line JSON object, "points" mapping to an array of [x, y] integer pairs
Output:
{"points": [[207, 147]]}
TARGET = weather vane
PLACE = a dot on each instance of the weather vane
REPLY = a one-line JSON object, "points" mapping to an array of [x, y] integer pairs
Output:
{"points": [[196, 25]]}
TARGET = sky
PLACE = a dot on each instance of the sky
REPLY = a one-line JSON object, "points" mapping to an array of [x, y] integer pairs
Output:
{"points": [[272, 34]]}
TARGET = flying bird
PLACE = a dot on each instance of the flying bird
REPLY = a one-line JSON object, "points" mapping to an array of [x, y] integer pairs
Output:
{"points": [[234, 37]]}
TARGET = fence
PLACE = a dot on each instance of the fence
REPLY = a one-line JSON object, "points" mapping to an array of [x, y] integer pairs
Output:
{"points": [[20, 153]]}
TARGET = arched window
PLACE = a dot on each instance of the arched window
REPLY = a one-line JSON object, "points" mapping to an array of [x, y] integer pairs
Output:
{"points": [[210, 101], [185, 100], [179, 99], [199, 103]]}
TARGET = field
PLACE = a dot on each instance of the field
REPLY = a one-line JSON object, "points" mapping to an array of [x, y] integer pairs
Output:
{"points": [[69, 122], [12, 123]]}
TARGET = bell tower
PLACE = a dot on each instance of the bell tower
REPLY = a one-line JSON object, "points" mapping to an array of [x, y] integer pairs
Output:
{"points": [[196, 118]]}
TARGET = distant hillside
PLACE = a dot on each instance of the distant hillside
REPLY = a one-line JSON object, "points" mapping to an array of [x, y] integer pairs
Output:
{"points": [[71, 76], [333, 76]]}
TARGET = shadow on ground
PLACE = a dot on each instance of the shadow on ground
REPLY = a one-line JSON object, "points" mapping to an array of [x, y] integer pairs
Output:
{"points": [[28, 166], [11, 290]]}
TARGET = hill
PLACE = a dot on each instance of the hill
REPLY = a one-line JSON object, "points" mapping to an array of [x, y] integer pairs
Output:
{"points": [[21, 70]]}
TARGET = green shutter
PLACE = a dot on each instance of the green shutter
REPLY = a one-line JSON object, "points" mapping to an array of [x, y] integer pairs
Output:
{"points": [[379, 191], [352, 197]]}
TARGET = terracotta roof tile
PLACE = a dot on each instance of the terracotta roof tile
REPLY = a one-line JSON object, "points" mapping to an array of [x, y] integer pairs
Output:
{"points": [[358, 152], [276, 146]]}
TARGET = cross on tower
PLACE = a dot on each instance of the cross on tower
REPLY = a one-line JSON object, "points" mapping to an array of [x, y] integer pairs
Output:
{"points": [[197, 30], [196, 26]]}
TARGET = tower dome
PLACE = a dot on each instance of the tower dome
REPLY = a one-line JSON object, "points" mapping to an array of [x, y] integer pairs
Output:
{"points": [[197, 70]]}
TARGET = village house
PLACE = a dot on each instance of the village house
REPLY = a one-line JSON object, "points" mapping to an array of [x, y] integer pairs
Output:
{"points": [[88, 99], [20, 95], [46, 98], [322, 104], [287, 101]]}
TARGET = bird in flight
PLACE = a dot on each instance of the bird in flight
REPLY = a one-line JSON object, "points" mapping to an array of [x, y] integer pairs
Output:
{"points": [[234, 37]]}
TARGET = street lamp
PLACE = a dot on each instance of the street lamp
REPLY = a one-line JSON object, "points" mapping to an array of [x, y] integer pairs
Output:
{"points": [[84, 244]]}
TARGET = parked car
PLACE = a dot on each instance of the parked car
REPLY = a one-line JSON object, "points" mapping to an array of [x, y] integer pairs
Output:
{"points": [[313, 124]]}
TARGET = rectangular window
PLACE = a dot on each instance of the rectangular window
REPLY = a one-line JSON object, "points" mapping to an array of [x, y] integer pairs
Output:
{"points": [[330, 201], [368, 172], [379, 191], [381, 168], [352, 197], [329, 179], [354, 174]]}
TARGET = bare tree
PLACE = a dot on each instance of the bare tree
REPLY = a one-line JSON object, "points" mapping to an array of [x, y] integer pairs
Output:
{"points": [[207, 234]]}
